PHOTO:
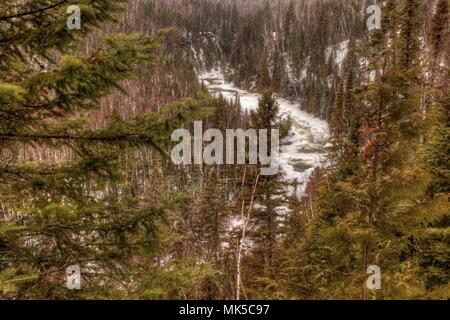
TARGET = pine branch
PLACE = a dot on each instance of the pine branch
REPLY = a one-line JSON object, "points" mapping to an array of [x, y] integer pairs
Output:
{"points": [[32, 12]]}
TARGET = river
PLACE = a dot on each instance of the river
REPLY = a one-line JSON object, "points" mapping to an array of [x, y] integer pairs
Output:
{"points": [[305, 147]]}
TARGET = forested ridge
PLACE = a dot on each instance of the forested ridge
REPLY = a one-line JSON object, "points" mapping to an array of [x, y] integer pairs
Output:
{"points": [[86, 179]]}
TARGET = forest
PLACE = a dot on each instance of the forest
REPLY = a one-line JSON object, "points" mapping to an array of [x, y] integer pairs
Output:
{"points": [[92, 205]]}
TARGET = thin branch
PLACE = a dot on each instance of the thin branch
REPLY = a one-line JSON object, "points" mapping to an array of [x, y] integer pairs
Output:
{"points": [[31, 12]]}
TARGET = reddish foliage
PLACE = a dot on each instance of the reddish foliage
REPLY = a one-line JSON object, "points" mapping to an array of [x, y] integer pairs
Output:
{"points": [[367, 149]]}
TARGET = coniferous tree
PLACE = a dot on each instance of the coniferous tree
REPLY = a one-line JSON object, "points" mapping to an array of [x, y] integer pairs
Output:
{"points": [[76, 209], [269, 199]]}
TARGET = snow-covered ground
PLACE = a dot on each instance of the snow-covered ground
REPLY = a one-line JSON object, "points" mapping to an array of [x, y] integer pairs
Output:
{"points": [[303, 150]]}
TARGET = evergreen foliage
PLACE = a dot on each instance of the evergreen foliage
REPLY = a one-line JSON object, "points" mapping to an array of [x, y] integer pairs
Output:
{"points": [[85, 122], [76, 208]]}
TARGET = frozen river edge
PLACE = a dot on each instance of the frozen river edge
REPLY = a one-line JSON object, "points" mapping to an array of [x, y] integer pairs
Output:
{"points": [[305, 147]]}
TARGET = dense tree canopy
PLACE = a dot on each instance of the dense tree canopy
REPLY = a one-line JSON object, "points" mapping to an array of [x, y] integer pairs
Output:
{"points": [[86, 117]]}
